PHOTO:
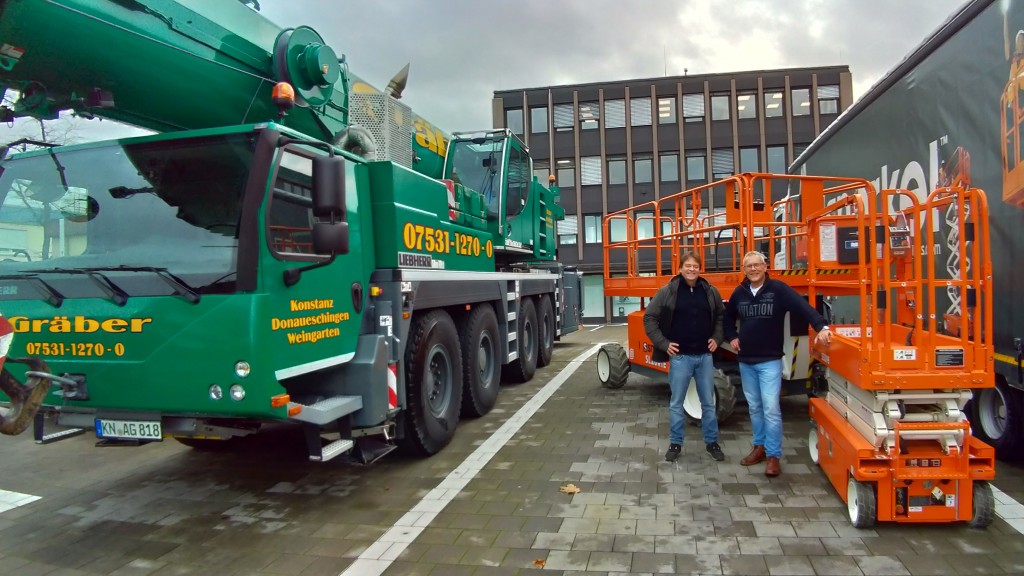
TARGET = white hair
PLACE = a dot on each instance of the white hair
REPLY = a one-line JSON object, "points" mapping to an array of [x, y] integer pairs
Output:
{"points": [[755, 253]]}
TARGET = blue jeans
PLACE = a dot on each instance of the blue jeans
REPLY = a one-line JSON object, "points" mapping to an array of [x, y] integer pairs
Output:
{"points": [[762, 383], [681, 368]]}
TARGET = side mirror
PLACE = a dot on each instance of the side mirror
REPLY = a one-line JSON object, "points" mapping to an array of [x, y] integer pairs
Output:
{"points": [[330, 238], [329, 186]]}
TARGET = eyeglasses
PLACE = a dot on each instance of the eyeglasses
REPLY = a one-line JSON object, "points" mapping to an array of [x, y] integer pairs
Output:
{"points": [[754, 265]]}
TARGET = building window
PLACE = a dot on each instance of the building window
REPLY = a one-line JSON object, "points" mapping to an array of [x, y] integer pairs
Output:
{"points": [[798, 149], [567, 230], [644, 225], [696, 163], [541, 170], [642, 170], [828, 99], [719, 106], [776, 159], [589, 115], [566, 174], [590, 170], [722, 165], [539, 120], [563, 117], [592, 229], [693, 107], [514, 120], [616, 170], [749, 161], [801, 99], [668, 167], [640, 111], [614, 113], [667, 110], [746, 106], [617, 229], [772, 104]]}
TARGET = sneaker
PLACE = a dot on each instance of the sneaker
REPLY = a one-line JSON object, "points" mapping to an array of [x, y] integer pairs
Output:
{"points": [[716, 451], [673, 452]]}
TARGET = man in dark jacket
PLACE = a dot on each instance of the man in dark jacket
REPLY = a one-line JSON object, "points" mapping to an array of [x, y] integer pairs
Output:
{"points": [[760, 304], [684, 323]]}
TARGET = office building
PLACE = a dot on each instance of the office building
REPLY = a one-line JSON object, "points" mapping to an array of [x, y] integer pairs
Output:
{"points": [[611, 145]]}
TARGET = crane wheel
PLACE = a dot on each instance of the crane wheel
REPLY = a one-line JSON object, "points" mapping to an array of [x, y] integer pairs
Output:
{"points": [[612, 366], [433, 368], [861, 503], [546, 331], [984, 505], [522, 368], [997, 419], [478, 333]]}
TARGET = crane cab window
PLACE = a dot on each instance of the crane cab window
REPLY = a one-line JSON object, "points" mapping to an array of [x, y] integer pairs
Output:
{"points": [[290, 215], [519, 175], [476, 164]]}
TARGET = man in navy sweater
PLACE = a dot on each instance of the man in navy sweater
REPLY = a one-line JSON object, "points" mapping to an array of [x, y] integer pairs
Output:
{"points": [[684, 323], [760, 304]]}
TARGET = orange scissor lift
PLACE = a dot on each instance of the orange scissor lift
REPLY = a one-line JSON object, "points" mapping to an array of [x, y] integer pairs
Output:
{"points": [[890, 433]]}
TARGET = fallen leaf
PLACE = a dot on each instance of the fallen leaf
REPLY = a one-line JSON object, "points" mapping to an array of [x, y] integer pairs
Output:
{"points": [[539, 563], [570, 488]]}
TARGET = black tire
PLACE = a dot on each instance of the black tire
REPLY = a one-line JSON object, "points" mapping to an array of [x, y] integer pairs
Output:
{"points": [[612, 366], [433, 384], [996, 419], [546, 331], [481, 363], [984, 505], [725, 399], [861, 503], [522, 368]]}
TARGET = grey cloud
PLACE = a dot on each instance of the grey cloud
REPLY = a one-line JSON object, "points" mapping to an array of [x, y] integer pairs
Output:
{"points": [[461, 51]]}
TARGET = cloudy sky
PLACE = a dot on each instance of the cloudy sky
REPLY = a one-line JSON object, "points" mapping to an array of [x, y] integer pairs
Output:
{"points": [[461, 51]]}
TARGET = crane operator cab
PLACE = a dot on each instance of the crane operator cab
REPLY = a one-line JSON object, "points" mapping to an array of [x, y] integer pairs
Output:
{"points": [[496, 165]]}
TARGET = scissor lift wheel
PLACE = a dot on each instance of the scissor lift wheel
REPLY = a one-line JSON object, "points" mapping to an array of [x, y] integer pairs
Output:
{"points": [[984, 505], [861, 503], [612, 366], [812, 442]]}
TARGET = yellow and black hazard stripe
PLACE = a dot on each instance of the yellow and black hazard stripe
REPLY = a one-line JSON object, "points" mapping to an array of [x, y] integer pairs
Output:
{"points": [[819, 271], [792, 365]]}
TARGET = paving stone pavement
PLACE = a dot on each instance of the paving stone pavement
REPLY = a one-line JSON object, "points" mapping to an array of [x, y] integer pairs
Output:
{"points": [[261, 509]]}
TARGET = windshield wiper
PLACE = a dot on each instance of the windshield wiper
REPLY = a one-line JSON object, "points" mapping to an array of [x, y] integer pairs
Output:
{"points": [[53, 297], [113, 291], [181, 288]]}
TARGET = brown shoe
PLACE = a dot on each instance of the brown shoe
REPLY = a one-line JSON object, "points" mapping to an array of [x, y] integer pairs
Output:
{"points": [[756, 456], [773, 468]]}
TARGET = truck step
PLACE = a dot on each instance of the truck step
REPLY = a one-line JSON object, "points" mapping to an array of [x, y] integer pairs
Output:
{"points": [[336, 448], [42, 437], [329, 410]]}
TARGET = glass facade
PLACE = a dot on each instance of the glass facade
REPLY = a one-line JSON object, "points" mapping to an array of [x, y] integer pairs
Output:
{"points": [[621, 143]]}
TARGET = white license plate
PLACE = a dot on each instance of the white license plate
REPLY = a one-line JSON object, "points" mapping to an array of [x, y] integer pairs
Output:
{"points": [[131, 429]]}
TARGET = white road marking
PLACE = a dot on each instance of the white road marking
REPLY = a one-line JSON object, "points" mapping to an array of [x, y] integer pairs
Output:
{"points": [[11, 500], [1009, 509], [379, 555], [597, 328]]}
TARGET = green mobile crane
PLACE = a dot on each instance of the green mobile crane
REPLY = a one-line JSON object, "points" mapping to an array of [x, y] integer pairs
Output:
{"points": [[293, 245]]}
